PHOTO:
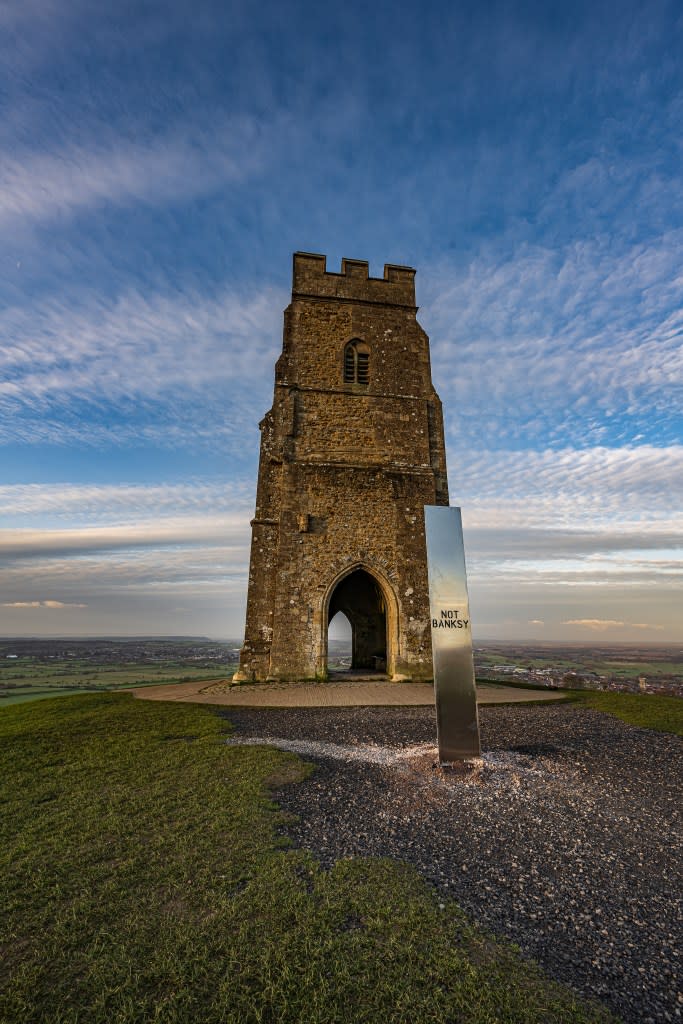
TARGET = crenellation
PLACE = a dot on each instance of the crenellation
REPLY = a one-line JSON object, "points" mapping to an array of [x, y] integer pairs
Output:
{"points": [[312, 280], [359, 269]]}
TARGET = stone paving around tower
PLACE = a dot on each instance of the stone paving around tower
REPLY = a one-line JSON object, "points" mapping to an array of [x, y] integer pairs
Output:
{"points": [[335, 694]]}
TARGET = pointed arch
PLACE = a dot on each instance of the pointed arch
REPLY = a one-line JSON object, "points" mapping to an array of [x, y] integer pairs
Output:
{"points": [[369, 614]]}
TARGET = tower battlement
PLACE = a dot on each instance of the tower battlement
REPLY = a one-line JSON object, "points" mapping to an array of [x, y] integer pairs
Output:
{"points": [[312, 279]]}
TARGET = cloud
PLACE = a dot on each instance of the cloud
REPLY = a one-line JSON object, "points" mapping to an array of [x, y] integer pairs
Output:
{"points": [[125, 570], [599, 625], [31, 32], [633, 488], [41, 186], [41, 604], [581, 341], [505, 612], [608, 576], [603, 625], [61, 604], [189, 426], [33, 543], [128, 502], [161, 590], [119, 544], [178, 371], [550, 543], [136, 345], [173, 545]]}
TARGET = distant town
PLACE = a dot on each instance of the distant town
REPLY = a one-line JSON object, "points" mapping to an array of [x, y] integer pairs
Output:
{"points": [[39, 667], [627, 668]]}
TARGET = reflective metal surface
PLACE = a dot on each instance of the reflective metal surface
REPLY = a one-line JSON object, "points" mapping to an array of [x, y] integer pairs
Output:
{"points": [[457, 725]]}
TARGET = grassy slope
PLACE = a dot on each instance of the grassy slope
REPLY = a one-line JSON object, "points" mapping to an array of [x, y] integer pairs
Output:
{"points": [[664, 714], [145, 881]]}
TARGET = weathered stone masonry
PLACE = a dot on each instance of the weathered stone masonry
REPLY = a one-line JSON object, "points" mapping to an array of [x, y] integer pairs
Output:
{"points": [[351, 451]]}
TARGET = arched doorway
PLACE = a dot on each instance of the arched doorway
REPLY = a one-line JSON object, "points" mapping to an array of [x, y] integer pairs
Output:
{"points": [[360, 598]]}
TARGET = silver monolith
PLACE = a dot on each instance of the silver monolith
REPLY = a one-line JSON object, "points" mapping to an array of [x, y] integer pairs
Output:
{"points": [[457, 725]]}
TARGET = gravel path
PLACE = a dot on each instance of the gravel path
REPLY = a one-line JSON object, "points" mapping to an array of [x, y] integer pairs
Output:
{"points": [[566, 840]]}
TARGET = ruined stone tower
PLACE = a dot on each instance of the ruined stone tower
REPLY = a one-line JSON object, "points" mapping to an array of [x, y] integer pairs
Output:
{"points": [[351, 451]]}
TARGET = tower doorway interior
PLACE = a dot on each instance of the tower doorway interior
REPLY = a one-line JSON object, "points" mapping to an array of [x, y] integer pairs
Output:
{"points": [[360, 599], [339, 644]]}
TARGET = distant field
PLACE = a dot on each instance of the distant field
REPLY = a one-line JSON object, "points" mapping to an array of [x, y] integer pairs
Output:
{"points": [[33, 669], [62, 681], [533, 660], [630, 669], [618, 661], [639, 668]]}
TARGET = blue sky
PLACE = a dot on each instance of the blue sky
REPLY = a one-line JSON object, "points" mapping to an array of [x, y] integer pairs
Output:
{"points": [[160, 162]]}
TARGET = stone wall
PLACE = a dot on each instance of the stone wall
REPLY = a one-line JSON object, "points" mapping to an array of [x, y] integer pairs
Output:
{"points": [[345, 471]]}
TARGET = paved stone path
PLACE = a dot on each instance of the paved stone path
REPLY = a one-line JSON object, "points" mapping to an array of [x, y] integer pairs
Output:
{"points": [[335, 694]]}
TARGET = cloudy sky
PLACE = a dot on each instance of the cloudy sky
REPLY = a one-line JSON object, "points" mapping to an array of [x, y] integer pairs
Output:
{"points": [[161, 161]]}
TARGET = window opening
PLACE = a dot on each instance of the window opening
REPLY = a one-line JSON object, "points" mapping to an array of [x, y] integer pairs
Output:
{"points": [[356, 363], [349, 365]]}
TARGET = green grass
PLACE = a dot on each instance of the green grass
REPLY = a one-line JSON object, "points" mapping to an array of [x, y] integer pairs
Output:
{"points": [[144, 880], [649, 711]]}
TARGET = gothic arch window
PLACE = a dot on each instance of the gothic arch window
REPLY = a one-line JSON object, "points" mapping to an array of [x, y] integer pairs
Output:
{"points": [[356, 362]]}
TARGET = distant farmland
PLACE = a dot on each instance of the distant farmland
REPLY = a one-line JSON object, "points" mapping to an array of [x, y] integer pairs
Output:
{"points": [[35, 668], [31, 669]]}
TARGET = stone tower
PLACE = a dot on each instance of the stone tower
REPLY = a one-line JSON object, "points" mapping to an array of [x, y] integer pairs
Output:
{"points": [[351, 451]]}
